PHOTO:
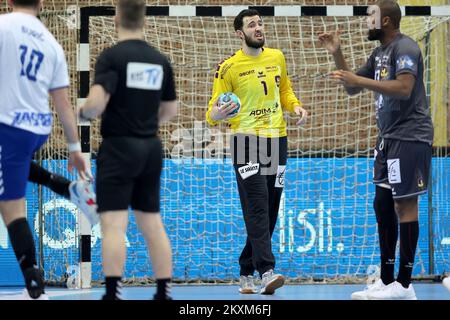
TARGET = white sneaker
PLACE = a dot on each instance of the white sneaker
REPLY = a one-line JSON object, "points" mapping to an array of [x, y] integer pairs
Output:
{"points": [[247, 285], [446, 282], [26, 296], [270, 282], [83, 196], [362, 295], [393, 291]]}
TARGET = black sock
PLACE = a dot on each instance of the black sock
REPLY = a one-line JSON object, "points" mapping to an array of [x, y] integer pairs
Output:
{"points": [[22, 242], [388, 236], [163, 288], [409, 236], [56, 183], [113, 288], [387, 231], [24, 248]]}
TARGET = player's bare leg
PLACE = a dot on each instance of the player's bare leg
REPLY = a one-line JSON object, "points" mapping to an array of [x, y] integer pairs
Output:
{"points": [[114, 226], [160, 250]]}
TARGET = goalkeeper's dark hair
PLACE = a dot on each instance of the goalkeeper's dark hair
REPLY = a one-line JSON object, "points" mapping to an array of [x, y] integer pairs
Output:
{"points": [[131, 13], [391, 9], [26, 3], [239, 20]]}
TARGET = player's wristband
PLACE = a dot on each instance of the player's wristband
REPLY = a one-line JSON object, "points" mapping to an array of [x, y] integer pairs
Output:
{"points": [[73, 147]]}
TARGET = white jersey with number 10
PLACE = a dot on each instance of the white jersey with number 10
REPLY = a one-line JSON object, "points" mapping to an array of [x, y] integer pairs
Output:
{"points": [[32, 63]]}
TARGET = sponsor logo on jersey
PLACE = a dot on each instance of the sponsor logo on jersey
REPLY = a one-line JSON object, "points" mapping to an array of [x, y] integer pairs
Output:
{"points": [[405, 62], [144, 76], [246, 73], [261, 112], [384, 73], [271, 68], [261, 74], [225, 69], [33, 119]]}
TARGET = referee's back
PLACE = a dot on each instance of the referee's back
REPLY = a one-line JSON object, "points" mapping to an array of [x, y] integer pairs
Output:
{"points": [[138, 77]]}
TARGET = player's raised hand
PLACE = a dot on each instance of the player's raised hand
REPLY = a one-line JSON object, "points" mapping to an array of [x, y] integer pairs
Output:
{"points": [[77, 160], [303, 115], [346, 78], [331, 41], [223, 111]]}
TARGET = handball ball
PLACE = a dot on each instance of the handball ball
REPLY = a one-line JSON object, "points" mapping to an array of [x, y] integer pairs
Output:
{"points": [[230, 96]]}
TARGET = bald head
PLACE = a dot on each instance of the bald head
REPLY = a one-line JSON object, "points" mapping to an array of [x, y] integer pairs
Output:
{"points": [[391, 9]]}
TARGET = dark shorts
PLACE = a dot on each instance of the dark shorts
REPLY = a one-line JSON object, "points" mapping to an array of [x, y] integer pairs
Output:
{"points": [[403, 165], [16, 151], [129, 173]]}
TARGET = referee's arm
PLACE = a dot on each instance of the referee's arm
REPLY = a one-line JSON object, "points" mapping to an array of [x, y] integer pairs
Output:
{"points": [[95, 103], [167, 110]]}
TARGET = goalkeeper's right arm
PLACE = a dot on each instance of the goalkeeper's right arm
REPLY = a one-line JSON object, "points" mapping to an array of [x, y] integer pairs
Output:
{"points": [[216, 113]]}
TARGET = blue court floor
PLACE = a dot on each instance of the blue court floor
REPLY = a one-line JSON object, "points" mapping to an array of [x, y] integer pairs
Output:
{"points": [[424, 291]]}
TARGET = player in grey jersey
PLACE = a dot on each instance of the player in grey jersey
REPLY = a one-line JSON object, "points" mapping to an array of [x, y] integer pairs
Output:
{"points": [[394, 71]]}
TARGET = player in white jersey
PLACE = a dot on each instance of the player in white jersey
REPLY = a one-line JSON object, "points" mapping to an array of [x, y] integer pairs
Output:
{"points": [[32, 65]]}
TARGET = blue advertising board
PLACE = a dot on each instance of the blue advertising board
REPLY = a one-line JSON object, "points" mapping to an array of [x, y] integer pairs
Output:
{"points": [[326, 225]]}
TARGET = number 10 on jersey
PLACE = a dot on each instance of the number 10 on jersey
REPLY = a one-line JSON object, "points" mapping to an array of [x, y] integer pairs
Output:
{"points": [[30, 63]]}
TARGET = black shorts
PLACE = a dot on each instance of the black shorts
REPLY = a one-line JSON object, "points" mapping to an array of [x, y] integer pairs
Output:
{"points": [[403, 165], [128, 174]]}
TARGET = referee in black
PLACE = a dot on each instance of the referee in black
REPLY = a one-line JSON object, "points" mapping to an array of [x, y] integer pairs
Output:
{"points": [[134, 91]]}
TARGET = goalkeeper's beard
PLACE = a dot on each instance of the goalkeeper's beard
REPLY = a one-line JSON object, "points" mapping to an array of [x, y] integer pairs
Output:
{"points": [[255, 44], [375, 34]]}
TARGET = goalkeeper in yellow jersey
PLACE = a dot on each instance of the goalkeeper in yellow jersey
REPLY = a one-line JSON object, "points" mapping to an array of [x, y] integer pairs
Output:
{"points": [[258, 76]]}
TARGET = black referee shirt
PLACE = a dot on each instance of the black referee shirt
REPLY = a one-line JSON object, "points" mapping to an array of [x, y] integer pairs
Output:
{"points": [[138, 77]]}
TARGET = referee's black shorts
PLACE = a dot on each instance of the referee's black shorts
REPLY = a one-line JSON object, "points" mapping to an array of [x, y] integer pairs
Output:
{"points": [[128, 174]]}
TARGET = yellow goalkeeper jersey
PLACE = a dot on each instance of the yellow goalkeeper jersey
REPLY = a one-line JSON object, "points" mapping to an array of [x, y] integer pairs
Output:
{"points": [[264, 88]]}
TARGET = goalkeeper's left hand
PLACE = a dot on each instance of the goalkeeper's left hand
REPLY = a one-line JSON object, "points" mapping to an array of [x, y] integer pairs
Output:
{"points": [[302, 113]]}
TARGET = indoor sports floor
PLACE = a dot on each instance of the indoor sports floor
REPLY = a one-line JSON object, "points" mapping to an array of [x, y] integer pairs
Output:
{"points": [[424, 291]]}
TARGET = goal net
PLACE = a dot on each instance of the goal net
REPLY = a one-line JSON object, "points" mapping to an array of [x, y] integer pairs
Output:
{"points": [[326, 228]]}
